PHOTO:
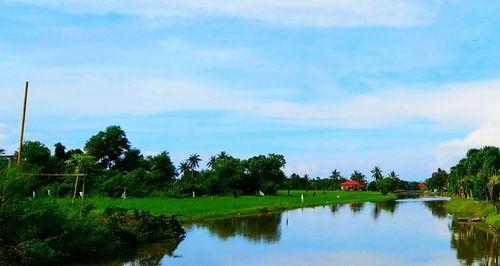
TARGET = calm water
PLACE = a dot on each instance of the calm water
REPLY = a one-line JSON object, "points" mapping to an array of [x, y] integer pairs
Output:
{"points": [[404, 232]]}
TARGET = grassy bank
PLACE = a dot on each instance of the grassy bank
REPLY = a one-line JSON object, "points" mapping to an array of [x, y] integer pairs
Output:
{"points": [[191, 209], [466, 208]]}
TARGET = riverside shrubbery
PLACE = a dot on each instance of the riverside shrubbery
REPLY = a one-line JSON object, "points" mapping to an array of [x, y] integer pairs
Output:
{"points": [[41, 231]]}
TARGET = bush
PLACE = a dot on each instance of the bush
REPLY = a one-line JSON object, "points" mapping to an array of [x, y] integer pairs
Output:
{"points": [[29, 227]]}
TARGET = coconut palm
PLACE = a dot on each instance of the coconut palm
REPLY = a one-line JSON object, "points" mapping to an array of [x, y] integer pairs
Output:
{"points": [[193, 162], [335, 175], [358, 177], [222, 155], [393, 175], [184, 167], [211, 161], [377, 173]]}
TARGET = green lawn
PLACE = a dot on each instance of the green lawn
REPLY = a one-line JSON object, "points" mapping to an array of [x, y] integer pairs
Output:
{"points": [[189, 209], [466, 208]]}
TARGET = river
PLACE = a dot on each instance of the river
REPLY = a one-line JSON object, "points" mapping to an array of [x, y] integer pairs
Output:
{"points": [[402, 232]]}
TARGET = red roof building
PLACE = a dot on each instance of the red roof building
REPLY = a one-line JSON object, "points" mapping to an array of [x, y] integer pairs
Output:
{"points": [[351, 185]]}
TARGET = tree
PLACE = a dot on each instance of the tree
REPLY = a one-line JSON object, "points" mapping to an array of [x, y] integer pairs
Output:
{"points": [[437, 180], [222, 155], [386, 185], [81, 163], [108, 147], [393, 175], [184, 168], [36, 156], [3, 162], [335, 175], [60, 151], [264, 173], [376, 173], [211, 161], [193, 162], [358, 176], [162, 170], [132, 160]]}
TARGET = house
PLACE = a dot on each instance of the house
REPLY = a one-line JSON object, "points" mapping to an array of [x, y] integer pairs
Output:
{"points": [[352, 185]]}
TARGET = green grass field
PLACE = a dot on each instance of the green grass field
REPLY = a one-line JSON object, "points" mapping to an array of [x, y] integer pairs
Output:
{"points": [[466, 208], [191, 209]]}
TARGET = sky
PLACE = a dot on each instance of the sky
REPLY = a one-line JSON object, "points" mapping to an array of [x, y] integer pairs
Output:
{"points": [[407, 85]]}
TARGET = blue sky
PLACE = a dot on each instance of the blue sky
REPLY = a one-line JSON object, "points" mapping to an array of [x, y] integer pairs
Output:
{"points": [[405, 85]]}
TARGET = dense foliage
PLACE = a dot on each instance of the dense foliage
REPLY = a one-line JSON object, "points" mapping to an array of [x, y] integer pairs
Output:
{"points": [[112, 167], [40, 231], [477, 175]]}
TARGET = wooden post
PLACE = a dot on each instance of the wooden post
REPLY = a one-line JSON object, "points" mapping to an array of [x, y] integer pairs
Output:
{"points": [[74, 192], [83, 187], [22, 124]]}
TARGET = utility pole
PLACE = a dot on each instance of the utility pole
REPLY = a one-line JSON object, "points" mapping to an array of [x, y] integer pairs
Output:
{"points": [[22, 124]]}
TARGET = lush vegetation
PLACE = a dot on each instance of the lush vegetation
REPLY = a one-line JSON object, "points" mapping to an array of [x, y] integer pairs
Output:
{"points": [[35, 195], [467, 208], [188, 209], [41, 230], [476, 176], [113, 168]]}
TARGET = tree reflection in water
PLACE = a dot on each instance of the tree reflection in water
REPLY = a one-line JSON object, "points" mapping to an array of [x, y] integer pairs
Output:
{"points": [[335, 208], [264, 227], [437, 208], [356, 206], [474, 245], [147, 255], [388, 206]]}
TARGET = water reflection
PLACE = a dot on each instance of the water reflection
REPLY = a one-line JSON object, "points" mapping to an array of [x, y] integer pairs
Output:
{"points": [[317, 234], [335, 208], [437, 208], [147, 255], [388, 206], [261, 228], [356, 206], [475, 245]]}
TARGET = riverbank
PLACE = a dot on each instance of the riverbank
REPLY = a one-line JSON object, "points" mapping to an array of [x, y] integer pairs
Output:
{"points": [[195, 209], [471, 209], [45, 231]]}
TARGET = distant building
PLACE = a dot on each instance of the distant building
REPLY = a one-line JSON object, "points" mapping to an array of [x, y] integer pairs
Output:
{"points": [[352, 185], [421, 185]]}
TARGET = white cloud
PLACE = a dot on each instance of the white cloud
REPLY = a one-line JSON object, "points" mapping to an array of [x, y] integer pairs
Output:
{"points": [[317, 13], [466, 106], [449, 152]]}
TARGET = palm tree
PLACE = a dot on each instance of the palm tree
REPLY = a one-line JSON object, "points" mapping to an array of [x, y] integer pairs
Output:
{"points": [[193, 162], [335, 175], [393, 175], [184, 167], [358, 176], [211, 161], [377, 173], [222, 155]]}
